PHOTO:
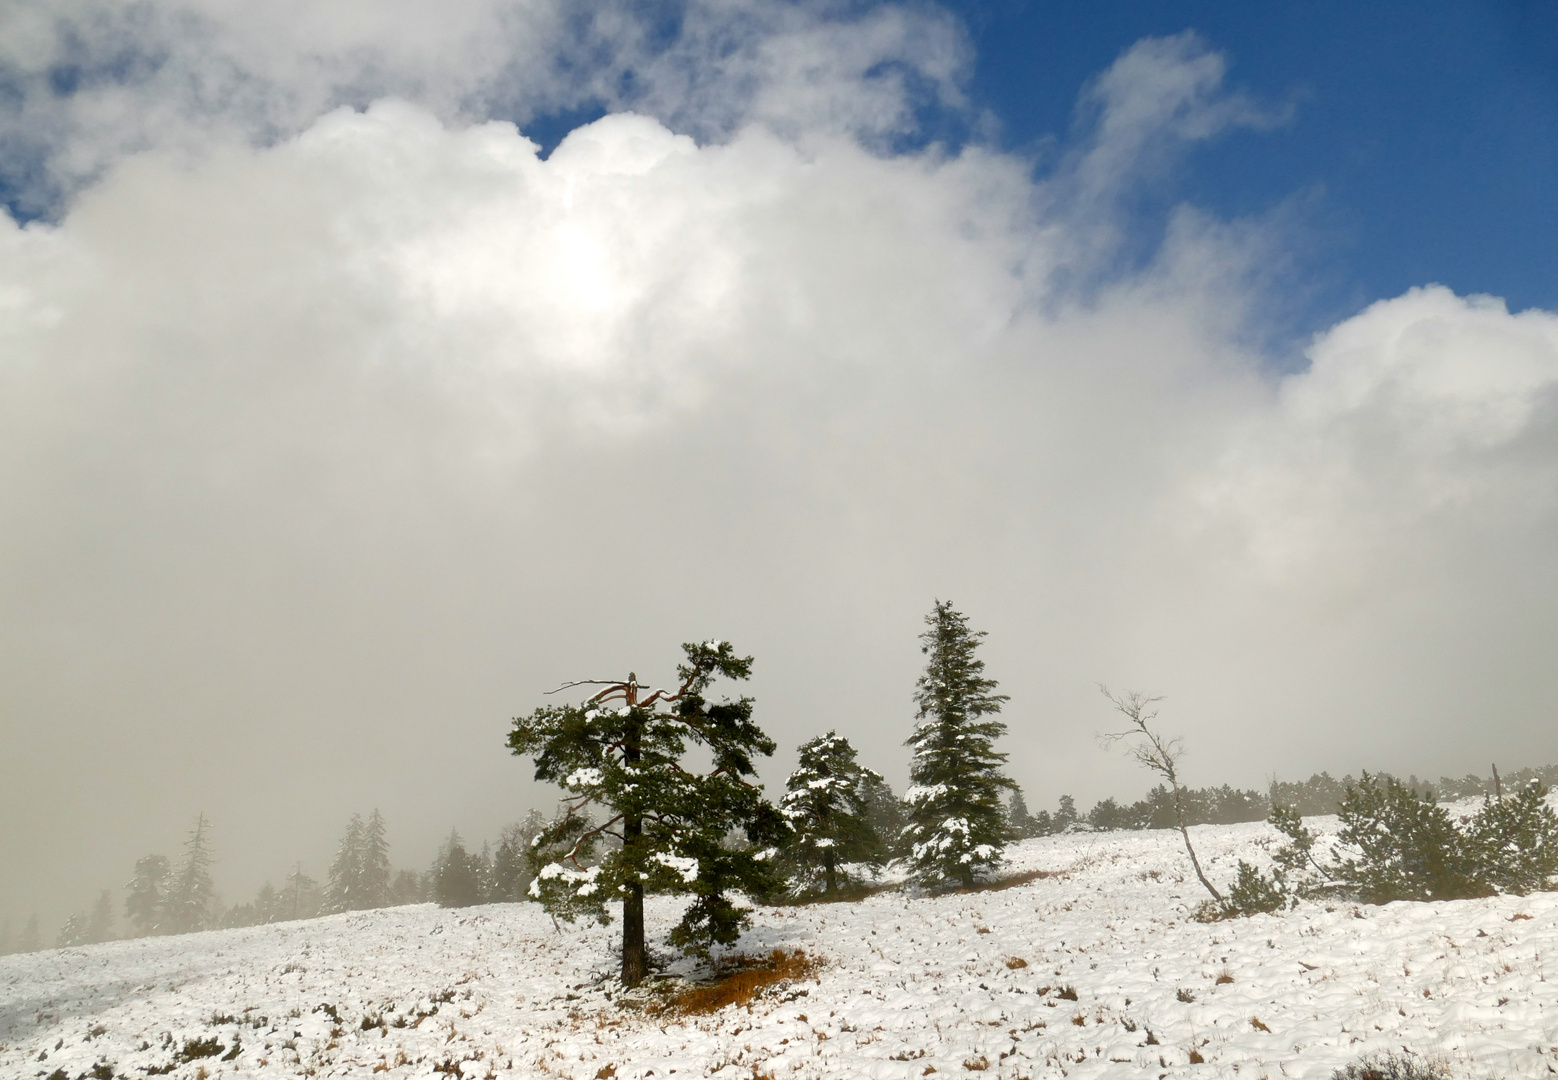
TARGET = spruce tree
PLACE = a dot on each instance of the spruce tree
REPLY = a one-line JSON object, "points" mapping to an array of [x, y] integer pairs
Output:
{"points": [[74, 932], [373, 871], [957, 826], [342, 885], [191, 899], [827, 806], [301, 898], [456, 874], [625, 750], [144, 907], [1017, 815], [100, 927]]}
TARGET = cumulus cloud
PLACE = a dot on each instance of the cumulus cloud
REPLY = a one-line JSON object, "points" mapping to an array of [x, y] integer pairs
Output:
{"points": [[89, 81], [324, 452]]}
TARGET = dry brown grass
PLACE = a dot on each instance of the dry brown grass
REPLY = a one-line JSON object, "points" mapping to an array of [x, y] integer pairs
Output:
{"points": [[1008, 882], [740, 978]]}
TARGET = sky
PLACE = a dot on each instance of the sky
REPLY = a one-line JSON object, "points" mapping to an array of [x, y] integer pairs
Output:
{"points": [[369, 369]]}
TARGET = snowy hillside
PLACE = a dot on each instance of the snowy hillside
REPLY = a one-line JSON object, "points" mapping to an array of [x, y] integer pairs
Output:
{"points": [[910, 986]]}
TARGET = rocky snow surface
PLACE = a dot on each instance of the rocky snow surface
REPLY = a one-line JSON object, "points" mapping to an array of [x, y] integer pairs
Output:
{"points": [[911, 986]]}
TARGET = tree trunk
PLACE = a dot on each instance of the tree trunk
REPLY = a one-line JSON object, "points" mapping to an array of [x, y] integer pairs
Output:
{"points": [[635, 959], [832, 878]]}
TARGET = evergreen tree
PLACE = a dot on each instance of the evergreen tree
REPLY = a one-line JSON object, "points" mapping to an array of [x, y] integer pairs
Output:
{"points": [[1066, 816], [100, 927], [1017, 816], [301, 899], [31, 939], [74, 932], [341, 888], [511, 864], [191, 900], [407, 887], [827, 806], [456, 874], [148, 892], [374, 870], [885, 812], [957, 826], [625, 751]]}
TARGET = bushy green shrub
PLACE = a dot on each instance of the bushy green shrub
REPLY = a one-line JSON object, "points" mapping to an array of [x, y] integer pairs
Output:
{"points": [[1252, 893], [1399, 845]]}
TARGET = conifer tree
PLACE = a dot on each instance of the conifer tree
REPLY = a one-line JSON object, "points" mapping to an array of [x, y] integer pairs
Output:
{"points": [[373, 872], [957, 826], [100, 927], [148, 891], [301, 898], [1017, 815], [456, 874], [74, 932], [341, 884], [624, 750], [191, 899], [826, 806]]}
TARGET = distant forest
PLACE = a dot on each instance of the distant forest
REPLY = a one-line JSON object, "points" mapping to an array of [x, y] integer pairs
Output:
{"points": [[174, 896]]}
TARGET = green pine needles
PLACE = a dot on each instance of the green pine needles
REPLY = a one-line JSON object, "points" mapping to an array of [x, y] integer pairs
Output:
{"points": [[827, 805], [957, 826], [623, 751]]}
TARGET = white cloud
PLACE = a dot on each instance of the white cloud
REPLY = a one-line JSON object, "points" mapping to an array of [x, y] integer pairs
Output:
{"points": [[323, 455]]}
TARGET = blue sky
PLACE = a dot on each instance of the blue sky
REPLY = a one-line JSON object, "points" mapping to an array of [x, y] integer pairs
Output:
{"points": [[1423, 143]]}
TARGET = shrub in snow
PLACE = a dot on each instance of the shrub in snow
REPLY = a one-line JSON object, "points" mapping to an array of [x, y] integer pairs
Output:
{"points": [[1398, 845], [624, 750], [1392, 1066], [957, 827], [827, 805]]}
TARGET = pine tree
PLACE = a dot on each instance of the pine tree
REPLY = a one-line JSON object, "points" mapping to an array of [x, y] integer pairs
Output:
{"points": [[341, 888], [826, 806], [511, 865], [624, 750], [1017, 815], [373, 873], [191, 899], [301, 898], [456, 874], [885, 812], [74, 932], [144, 907], [100, 927], [957, 826]]}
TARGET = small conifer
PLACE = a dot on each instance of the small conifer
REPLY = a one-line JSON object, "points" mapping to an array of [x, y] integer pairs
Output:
{"points": [[827, 807], [957, 826]]}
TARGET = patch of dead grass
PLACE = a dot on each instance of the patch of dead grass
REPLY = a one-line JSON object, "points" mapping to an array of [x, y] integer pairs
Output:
{"points": [[739, 979]]}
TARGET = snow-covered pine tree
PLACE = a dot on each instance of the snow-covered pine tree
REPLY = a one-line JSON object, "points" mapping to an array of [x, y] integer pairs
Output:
{"points": [[148, 891], [957, 826], [342, 886], [191, 899], [624, 750], [511, 865], [826, 806], [74, 932]]}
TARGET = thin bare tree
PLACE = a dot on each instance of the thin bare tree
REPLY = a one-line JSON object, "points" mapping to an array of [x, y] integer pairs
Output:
{"points": [[1152, 751]]}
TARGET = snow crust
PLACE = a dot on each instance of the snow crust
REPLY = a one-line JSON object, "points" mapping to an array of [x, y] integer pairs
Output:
{"points": [[910, 983]]}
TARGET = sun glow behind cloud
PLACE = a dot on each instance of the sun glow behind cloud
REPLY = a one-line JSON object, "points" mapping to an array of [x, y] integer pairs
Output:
{"points": [[330, 438]]}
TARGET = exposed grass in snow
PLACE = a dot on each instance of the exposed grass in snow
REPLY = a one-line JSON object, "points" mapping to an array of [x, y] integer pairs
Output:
{"points": [[1091, 967]]}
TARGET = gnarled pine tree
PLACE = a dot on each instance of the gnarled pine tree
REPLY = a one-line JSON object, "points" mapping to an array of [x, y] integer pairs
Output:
{"points": [[957, 826], [623, 750]]}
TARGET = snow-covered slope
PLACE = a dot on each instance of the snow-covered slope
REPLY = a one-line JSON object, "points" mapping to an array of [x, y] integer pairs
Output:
{"points": [[912, 986]]}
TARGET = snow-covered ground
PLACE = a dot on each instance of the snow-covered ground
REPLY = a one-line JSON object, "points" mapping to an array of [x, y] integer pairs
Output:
{"points": [[911, 986]]}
